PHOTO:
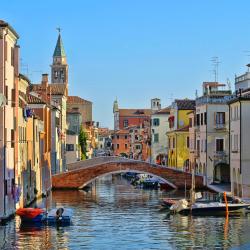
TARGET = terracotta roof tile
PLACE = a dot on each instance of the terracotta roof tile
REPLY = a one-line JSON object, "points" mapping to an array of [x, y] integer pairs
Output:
{"points": [[163, 111], [34, 100], [185, 104], [77, 100], [135, 112]]}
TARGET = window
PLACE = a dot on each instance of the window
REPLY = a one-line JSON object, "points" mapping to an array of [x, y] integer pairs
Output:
{"points": [[205, 118], [126, 137], [156, 122], [125, 123], [126, 146], [12, 56], [198, 145], [173, 142], [69, 147], [117, 137], [219, 145], [188, 143], [117, 146], [56, 74], [12, 138], [169, 142], [220, 118], [198, 119], [138, 147], [156, 138], [190, 122], [5, 51]]}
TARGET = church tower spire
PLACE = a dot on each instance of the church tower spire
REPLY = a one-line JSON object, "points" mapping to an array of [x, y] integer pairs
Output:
{"points": [[59, 68]]}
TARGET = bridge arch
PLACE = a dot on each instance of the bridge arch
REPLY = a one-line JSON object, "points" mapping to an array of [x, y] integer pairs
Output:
{"points": [[83, 172], [125, 171]]}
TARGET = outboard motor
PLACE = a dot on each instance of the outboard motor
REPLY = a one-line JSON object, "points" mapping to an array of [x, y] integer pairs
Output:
{"points": [[59, 213]]}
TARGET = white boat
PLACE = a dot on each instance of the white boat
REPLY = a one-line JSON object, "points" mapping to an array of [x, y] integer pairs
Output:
{"points": [[208, 208]]}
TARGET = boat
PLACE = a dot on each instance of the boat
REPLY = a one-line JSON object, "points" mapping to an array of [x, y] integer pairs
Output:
{"points": [[168, 202], [208, 208], [203, 207], [31, 214], [59, 216]]}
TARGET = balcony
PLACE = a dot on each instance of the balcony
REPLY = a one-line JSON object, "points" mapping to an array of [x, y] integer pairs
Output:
{"points": [[220, 126], [220, 156]]}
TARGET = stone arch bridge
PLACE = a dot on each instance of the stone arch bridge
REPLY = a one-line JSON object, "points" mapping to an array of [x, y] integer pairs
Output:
{"points": [[81, 173]]}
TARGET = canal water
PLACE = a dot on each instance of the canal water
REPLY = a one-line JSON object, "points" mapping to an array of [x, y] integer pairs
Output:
{"points": [[115, 215]]}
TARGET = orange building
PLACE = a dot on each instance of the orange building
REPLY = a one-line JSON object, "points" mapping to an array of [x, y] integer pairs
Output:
{"points": [[131, 132], [121, 142]]}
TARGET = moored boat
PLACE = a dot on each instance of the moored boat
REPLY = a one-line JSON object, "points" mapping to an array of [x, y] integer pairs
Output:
{"points": [[31, 214], [59, 216], [208, 208]]}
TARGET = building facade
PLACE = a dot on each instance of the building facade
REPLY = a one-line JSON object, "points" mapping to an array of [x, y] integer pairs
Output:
{"points": [[212, 133], [178, 134], [159, 142], [9, 72]]}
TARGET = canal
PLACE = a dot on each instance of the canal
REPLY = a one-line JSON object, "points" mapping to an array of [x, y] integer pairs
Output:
{"points": [[115, 215]]}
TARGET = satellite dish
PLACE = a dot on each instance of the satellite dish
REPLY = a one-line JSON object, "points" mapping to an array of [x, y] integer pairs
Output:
{"points": [[3, 100]]}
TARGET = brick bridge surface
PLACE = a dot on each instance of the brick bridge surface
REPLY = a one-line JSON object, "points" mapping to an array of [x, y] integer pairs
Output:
{"points": [[81, 173]]}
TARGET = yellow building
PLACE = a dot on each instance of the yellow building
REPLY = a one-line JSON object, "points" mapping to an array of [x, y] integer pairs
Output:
{"points": [[178, 134]]}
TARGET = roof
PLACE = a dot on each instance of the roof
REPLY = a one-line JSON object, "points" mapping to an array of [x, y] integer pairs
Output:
{"points": [[56, 88], [73, 111], [121, 131], [4, 24], [77, 100], [135, 112], [59, 49], [163, 111], [25, 78], [185, 104], [183, 129], [240, 98], [34, 100]]}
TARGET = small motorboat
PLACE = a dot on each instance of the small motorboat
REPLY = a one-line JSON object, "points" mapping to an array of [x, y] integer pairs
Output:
{"points": [[59, 216], [208, 208], [31, 214]]}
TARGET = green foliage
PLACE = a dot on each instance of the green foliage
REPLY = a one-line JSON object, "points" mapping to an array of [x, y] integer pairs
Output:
{"points": [[83, 144]]}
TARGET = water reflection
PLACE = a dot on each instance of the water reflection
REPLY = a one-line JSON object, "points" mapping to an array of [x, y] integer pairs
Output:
{"points": [[115, 215]]}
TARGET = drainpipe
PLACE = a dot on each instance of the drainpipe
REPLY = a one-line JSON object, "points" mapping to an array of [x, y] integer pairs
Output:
{"points": [[4, 137]]}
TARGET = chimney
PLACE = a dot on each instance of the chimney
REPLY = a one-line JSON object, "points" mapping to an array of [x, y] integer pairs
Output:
{"points": [[45, 80]]}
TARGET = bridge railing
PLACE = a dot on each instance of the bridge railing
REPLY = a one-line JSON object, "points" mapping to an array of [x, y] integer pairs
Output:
{"points": [[95, 161]]}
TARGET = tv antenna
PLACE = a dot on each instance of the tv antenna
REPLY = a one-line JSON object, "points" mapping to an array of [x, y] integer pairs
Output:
{"points": [[215, 62], [247, 54]]}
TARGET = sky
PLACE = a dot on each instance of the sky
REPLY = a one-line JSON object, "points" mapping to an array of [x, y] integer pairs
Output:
{"points": [[133, 50]]}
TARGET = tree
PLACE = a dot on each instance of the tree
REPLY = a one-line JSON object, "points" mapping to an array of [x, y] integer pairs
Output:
{"points": [[83, 143]]}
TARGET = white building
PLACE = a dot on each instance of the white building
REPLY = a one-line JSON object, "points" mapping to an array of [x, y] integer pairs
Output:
{"points": [[159, 142], [239, 108], [212, 133]]}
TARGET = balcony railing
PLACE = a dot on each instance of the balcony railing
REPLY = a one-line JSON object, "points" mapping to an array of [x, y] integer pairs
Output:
{"points": [[220, 126], [220, 155]]}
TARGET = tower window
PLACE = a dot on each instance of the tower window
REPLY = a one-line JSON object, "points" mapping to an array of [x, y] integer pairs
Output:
{"points": [[56, 74]]}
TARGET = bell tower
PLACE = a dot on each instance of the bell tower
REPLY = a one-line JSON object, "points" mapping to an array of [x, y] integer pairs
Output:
{"points": [[59, 68]]}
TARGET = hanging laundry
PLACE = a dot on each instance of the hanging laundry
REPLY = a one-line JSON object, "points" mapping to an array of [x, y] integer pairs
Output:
{"points": [[29, 112]]}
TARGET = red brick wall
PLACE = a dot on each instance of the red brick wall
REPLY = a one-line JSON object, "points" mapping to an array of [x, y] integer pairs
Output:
{"points": [[81, 177]]}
